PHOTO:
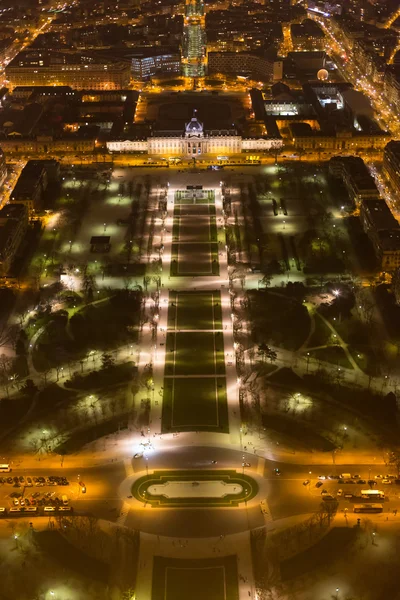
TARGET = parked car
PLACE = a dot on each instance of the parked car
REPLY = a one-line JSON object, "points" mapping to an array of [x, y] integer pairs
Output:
{"points": [[339, 492]]}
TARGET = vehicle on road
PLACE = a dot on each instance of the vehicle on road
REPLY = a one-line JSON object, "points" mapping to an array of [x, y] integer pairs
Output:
{"points": [[362, 481], [306, 482], [386, 481], [346, 476], [348, 495], [83, 487], [378, 476], [372, 494], [368, 508], [339, 492], [318, 484], [322, 477], [5, 468]]}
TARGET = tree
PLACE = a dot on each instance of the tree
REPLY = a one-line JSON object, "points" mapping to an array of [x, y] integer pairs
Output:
{"points": [[107, 361], [394, 461], [267, 353], [266, 280], [8, 334]]}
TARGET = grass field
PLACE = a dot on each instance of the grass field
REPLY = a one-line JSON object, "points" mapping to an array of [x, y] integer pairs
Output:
{"points": [[332, 354], [195, 310], [194, 259], [197, 225], [194, 353], [180, 579], [195, 404]]}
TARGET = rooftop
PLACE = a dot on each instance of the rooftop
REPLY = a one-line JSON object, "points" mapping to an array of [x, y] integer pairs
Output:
{"points": [[379, 214]]}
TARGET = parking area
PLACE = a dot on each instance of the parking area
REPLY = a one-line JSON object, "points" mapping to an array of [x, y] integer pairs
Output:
{"points": [[37, 495]]}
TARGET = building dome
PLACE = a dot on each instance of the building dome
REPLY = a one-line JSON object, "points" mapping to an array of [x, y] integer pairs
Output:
{"points": [[194, 127]]}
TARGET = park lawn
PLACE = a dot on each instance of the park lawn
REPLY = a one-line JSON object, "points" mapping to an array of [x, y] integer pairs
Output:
{"points": [[195, 310], [321, 334], [195, 405], [323, 554], [194, 353], [180, 579], [58, 549], [332, 354], [277, 319], [97, 326], [78, 439]]}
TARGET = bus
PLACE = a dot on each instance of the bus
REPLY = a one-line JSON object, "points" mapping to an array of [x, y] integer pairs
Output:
{"points": [[372, 494], [368, 508], [5, 468]]}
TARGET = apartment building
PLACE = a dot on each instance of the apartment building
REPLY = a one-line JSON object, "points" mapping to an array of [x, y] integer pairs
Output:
{"points": [[79, 71]]}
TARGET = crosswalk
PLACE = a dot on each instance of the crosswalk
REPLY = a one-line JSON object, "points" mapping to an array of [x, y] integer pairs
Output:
{"points": [[266, 511], [128, 467], [123, 514]]}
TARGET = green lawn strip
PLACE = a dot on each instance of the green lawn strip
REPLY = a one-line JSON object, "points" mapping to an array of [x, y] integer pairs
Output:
{"points": [[332, 354], [195, 405], [214, 259], [172, 298], [175, 228], [195, 310], [197, 579], [194, 353], [213, 229], [174, 260], [249, 488], [57, 548]]}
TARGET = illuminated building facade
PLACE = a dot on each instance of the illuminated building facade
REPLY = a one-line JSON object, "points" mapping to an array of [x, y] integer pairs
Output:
{"points": [[195, 142]]}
